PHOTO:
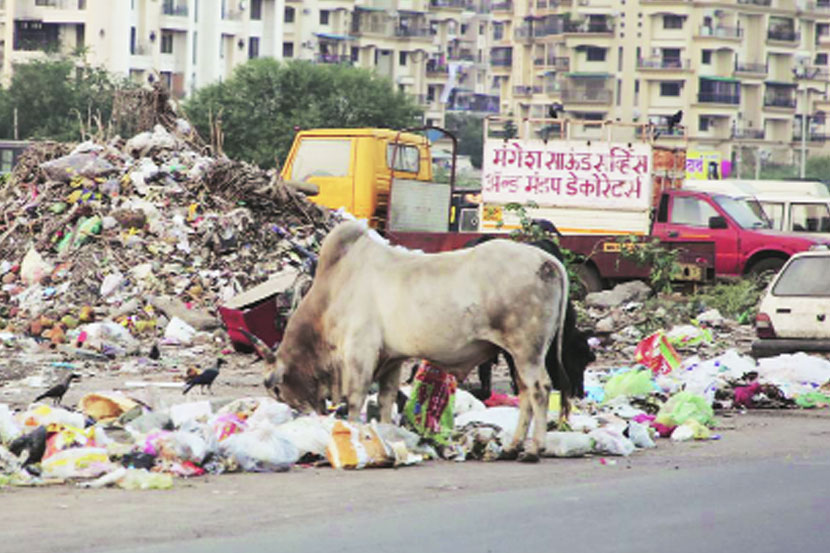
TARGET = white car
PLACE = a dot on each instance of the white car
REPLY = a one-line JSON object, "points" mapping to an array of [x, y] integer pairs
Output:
{"points": [[794, 315]]}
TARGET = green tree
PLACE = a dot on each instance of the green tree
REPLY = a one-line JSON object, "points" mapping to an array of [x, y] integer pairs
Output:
{"points": [[54, 97], [469, 130], [264, 99]]}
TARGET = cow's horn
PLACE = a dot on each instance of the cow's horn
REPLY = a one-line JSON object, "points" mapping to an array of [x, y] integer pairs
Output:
{"points": [[261, 347]]}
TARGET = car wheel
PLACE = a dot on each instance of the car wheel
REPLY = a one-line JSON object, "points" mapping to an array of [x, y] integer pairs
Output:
{"points": [[588, 279], [767, 268]]}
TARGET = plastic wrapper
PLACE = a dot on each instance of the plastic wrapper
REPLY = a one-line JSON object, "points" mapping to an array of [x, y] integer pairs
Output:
{"points": [[194, 410], [271, 411], [9, 429], [357, 446], [259, 449], [690, 430], [310, 435], [567, 444], [640, 435], [44, 415], [105, 405]]}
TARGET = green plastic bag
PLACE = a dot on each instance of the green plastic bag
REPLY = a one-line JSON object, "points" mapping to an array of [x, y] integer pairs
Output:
{"points": [[684, 406], [811, 400], [634, 383]]}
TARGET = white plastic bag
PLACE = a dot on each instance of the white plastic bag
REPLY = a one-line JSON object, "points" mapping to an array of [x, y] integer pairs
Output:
{"points": [[272, 411], [640, 436], [610, 442], [9, 429], [310, 435], [260, 449], [179, 331], [183, 412], [466, 402], [567, 444]]}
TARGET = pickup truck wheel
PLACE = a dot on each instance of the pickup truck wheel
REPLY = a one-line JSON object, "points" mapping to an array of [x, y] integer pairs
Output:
{"points": [[766, 268], [589, 279]]}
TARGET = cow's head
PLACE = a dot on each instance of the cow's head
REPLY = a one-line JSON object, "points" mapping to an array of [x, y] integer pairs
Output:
{"points": [[290, 382]]}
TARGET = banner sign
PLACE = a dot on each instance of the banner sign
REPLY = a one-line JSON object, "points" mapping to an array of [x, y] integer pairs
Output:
{"points": [[567, 173], [703, 165]]}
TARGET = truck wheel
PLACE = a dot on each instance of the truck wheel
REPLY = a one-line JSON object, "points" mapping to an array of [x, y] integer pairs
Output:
{"points": [[589, 279], [767, 268]]}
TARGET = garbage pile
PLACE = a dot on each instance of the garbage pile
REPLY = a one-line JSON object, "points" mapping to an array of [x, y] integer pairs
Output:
{"points": [[109, 247]]}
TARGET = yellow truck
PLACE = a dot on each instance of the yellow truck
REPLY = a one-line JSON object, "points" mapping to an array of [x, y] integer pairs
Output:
{"points": [[353, 169]]}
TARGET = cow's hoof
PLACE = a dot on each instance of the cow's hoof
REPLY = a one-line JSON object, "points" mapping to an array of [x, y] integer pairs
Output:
{"points": [[509, 455], [527, 457]]}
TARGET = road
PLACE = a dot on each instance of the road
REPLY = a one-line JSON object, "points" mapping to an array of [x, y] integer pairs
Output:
{"points": [[762, 487]]}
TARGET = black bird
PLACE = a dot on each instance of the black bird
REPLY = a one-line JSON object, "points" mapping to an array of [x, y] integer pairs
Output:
{"points": [[204, 378], [674, 120], [154, 352], [57, 391], [554, 110]]}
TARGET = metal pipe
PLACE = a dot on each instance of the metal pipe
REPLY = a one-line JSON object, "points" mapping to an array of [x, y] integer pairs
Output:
{"points": [[804, 133]]}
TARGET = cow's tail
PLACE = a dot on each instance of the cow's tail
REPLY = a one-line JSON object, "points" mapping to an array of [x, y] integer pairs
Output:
{"points": [[565, 392]]}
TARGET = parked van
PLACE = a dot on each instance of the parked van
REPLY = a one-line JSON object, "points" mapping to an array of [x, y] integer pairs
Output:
{"points": [[800, 214], [745, 187]]}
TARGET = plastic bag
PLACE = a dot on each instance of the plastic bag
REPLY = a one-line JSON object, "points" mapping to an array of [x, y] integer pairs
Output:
{"points": [[43, 415], [812, 399], [33, 267], [183, 412], [567, 444], [691, 429], [429, 410], [310, 435], [9, 429], [356, 447], [657, 354], [609, 442], [633, 383], [77, 462], [272, 411], [260, 449], [179, 331], [142, 479], [684, 406], [466, 402], [640, 435]]}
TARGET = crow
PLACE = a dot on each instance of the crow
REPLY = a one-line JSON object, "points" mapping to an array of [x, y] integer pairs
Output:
{"points": [[57, 391], [155, 353], [554, 110], [205, 378], [674, 120]]}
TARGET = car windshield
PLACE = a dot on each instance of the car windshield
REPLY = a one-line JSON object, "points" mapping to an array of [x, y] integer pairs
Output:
{"points": [[741, 212], [805, 276]]}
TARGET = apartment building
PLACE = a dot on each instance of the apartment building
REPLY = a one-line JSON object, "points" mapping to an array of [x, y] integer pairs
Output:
{"points": [[186, 43], [744, 72]]}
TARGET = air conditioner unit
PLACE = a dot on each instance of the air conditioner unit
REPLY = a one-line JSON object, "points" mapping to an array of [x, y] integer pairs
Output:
{"points": [[468, 219]]}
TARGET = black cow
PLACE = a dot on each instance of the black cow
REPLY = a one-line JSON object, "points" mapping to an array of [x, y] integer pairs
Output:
{"points": [[576, 353]]}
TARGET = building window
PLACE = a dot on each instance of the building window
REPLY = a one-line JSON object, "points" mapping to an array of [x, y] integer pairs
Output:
{"points": [[706, 57], [195, 44], [481, 29], [256, 10], [402, 58], [821, 59], [703, 123], [498, 31], [619, 92], [167, 79], [672, 22], [288, 17], [430, 93], [288, 49], [670, 89], [595, 54], [253, 47], [132, 41], [355, 53], [166, 42], [324, 17], [636, 91], [620, 58]]}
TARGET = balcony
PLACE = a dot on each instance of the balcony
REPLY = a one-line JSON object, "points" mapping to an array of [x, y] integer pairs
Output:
{"points": [[141, 50], [748, 134], [501, 62], [718, 98], [523, 33], [413, 32], [671, 64], [757, 68], [367, 26], [555, 62], [779, 102], [589, 27], [764, 3], [811, 136], [461, 56], [783, 35], [545, 4], [522, 91], [332, 58], [170, 7], [814, 72], [62, 4], [501, 6], [586, 95], [436, 69], [720, 31], [821, 6], [451, 4]]}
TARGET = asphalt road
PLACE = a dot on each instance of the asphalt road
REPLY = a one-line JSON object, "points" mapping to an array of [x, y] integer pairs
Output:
{"points": [[763, 487], [759, 506]]}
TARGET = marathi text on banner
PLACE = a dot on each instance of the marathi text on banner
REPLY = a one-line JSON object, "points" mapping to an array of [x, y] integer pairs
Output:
{"points": [[567, 173]]}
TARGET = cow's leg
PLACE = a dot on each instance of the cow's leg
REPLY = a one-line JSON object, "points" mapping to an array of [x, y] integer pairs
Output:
{"points": [[390, 383], [525, 411], [534, 390]]}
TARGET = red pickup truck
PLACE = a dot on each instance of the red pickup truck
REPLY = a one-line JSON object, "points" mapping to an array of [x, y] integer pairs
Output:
{"points": [[743, 242]]}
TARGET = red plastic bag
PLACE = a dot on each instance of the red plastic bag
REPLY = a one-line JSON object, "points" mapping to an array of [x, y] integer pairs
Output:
{"points": [[656, 353]]}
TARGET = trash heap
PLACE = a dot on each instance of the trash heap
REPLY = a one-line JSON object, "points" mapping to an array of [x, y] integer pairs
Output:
{"points": [[133, 236]]}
